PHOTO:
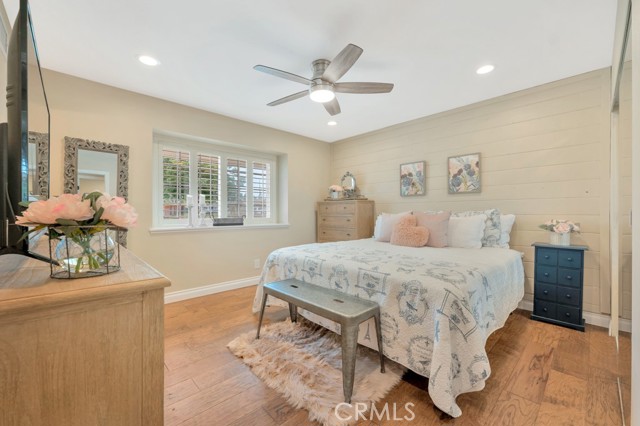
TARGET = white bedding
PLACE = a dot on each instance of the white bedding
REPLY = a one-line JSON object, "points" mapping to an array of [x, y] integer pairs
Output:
{"points": [[438, 305]]}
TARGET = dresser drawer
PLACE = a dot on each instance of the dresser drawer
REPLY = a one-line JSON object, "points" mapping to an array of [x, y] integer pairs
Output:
{"points": [[331, 208], [545, 309], [336, 235], [570, 277], [569, 259], [547, 274], [568, 296], [545, 292], [337, 221], [568, 314], [547, 256]]}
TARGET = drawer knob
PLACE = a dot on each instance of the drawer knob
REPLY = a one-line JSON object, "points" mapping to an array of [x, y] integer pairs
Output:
{"points": [[348, 220], [546, 274], [544, 309], [324, 220], [569, 277], [569, 259], [546, 256], [567, 314], [348, 235], [568, 296], [545, 292]]}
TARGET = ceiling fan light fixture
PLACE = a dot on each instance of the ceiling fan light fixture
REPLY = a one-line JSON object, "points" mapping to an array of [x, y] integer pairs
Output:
{"points": [[321, 93]]}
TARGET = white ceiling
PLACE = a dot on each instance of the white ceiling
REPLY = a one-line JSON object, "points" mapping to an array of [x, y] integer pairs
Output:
{"points": [[430, 49]]}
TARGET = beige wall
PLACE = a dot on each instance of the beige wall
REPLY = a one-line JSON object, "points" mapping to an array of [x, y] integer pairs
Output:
{"points": [[84, 109], [545, 154], [624, 174]]}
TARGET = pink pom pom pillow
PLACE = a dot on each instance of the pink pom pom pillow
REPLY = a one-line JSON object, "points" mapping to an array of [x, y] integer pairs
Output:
{"points": [[406, 233]]}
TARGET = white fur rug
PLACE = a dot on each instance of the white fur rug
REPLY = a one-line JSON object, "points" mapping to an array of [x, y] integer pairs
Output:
{"points": [[303, 362]]}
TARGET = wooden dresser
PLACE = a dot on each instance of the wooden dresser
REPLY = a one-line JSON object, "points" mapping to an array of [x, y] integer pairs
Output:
{"points": [[345, 220], [81, 352]]}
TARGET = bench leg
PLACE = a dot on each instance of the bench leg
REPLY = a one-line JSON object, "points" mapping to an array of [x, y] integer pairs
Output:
{"points": [[293, 312], [264, 303], [349, 347], [376, 318]]}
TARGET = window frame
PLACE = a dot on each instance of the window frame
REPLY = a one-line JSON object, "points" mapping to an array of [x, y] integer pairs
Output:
{"points": [[212, 148]]}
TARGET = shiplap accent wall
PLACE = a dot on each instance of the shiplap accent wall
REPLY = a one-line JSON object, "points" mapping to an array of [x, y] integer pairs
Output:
{"points": [[624, 158], [544, 154]]}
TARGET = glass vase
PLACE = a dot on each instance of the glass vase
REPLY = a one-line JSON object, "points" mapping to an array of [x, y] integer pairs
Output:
{"points": [[558, 239], [85, 251]]}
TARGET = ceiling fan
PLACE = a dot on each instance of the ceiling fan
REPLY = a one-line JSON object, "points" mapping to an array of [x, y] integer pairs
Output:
{"points": [[323, 85]]}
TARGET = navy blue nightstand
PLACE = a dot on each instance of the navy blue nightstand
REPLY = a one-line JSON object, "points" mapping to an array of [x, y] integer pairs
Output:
{"points": [[558, 278]]}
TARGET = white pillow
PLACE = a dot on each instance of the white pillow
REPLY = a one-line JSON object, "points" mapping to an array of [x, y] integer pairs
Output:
{"points": [[466, 232], [491, 236], [384, 225], [506, 223]]}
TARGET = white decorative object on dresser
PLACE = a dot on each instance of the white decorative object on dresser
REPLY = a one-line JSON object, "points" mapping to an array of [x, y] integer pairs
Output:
{"points": [[344, 220]]}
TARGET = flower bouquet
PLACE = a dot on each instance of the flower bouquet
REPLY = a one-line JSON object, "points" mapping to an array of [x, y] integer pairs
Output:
{"points": [[560, 230], [335, 190], [82, 230]]}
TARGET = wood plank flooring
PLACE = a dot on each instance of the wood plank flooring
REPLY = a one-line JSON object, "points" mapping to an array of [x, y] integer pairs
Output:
{"points": [[542, 374]]}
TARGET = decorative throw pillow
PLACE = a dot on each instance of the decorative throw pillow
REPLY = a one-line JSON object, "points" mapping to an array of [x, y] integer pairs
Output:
{"points": [[466, 232], [384, 225], [492, 230], [406, 233], [506, 223], [438, 226]]}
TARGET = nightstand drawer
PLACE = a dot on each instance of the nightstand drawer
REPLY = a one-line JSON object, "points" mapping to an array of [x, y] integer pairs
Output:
{"points": [[337, 207], [568, 296], [568, 314], [547, 274], [545, 309], [570, 277], [545, 292], [569, 259], [547, 256], [337, 221]]}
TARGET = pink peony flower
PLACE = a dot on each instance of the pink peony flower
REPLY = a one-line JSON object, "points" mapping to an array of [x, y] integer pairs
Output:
{"points": [[117, 211], [66, 206], [562, 228]]}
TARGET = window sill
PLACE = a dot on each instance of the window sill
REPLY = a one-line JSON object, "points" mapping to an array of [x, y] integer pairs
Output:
{"points": [[172, 229]]}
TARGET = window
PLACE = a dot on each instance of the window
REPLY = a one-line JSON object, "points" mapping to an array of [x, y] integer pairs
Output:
{"points": [[220, 180]]}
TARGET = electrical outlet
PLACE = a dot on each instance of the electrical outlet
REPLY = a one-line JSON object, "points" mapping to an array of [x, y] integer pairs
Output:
{"points": [[256, 263]]}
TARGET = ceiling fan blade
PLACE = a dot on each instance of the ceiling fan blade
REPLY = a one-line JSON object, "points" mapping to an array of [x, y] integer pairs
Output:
{"points": [[332, 107], [342, 63], [363, 87], [289, 98], [282, 74]]}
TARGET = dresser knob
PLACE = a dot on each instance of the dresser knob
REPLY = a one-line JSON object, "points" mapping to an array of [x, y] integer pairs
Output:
{"points": [[569, 277], [569, 259], [546, 256], [568, 296], [567, 314], [348, 235], [324, 220], [546, 274], [545, 292], [348, 220], [544, 309]]}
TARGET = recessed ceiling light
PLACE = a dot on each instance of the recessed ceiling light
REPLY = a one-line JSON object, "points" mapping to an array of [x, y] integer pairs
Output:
{"points": [[332, 123], [485, 69], [148, 60]]}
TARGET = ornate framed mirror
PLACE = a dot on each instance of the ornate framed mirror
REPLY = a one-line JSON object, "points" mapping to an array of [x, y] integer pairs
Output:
{"points": [[39, 165], [348, 183]]}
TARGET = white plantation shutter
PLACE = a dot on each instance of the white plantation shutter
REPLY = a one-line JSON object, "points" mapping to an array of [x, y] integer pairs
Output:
{"points": [[236, 188], [261, 189], [209, 182], [175, 183]]}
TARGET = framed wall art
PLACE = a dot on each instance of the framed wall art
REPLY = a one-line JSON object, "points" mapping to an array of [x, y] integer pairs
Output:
{"points": [[464, 173], [412, 179]]}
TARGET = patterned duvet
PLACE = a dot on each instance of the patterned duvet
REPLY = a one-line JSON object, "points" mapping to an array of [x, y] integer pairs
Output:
{"points": [[438, 305]]}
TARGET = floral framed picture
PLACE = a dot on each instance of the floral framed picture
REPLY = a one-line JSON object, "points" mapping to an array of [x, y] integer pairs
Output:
{"points": [[412, 179], [464, 173]]}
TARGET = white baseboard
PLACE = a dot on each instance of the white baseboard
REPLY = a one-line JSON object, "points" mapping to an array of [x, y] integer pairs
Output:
{"points": [[206, 290], [601, 320]]}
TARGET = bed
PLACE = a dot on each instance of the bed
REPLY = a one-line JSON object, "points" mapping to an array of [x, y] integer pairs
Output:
{"points": [[438, 305]]}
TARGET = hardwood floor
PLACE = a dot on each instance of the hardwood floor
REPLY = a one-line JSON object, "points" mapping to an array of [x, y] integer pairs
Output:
{"points": [[542, 374]]}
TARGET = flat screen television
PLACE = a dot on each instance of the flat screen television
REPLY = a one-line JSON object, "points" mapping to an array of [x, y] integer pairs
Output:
{"points": [[27, 110]]}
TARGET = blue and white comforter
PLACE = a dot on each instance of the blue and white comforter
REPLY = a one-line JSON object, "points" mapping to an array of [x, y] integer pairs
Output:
{"points": [[438, 305]]}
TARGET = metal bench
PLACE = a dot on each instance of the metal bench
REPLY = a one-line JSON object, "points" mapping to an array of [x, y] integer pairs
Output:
{"points": [[349, 311]]}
